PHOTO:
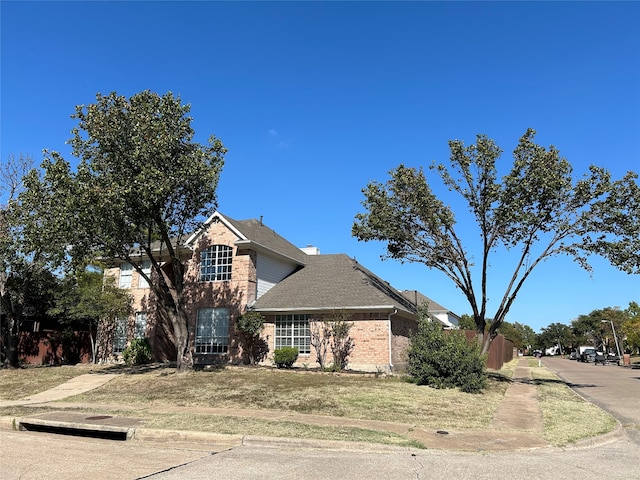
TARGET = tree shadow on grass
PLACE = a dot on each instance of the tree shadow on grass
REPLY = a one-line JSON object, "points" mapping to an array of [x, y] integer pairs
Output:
{"points": [[497, 377], [555, 381], [160, 367]]}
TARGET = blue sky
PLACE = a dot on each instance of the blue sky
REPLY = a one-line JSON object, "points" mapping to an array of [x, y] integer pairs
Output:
{"points": [[316, 99]]}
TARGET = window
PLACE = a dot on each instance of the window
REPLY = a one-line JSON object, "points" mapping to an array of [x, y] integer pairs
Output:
{"points": [[215, 263], [146, 268], [140, 329], [126, 270], [212, 330], [293, 331], [120, 335]]}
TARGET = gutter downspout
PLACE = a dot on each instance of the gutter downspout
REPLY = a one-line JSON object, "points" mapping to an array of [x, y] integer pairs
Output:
{"points": [[395, 310]]}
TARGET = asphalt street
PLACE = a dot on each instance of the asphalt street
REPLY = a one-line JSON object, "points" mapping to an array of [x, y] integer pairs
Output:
{"points": [[42, 456], [614, 389]]}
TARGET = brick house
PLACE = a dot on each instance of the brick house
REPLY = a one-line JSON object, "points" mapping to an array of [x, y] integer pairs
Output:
{"points": [[236, 266]]}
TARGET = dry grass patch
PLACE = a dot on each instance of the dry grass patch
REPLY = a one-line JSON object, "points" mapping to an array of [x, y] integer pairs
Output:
{"points": [[567, 416], [344, 395], [23, 382], [276, 428]]}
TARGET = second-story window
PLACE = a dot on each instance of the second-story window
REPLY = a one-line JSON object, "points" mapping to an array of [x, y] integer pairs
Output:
{"points": [[215, 263], [146, 268], [126, 271]]}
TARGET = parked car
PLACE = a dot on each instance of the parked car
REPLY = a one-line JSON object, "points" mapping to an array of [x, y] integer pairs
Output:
{"points": [[588, 355], [604, 358], [581, 349]]}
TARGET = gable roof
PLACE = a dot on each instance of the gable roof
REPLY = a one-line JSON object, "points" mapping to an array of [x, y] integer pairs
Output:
{"points": [[332, 282], [262, 238], [255, 235]]}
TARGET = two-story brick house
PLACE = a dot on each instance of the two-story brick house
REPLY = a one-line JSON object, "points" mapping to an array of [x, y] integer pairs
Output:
{"points": [[236, 266]]}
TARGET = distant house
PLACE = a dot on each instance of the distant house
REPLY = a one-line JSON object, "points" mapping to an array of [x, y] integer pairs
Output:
{"points": [[235, 266], [446, 317]]}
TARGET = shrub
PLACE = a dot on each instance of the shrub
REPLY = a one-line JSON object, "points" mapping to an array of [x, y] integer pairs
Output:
{"points": [[341, 343], [250, 327], [332, 333], [138, 352], [320, 338], [285, 357], [445, 359]]}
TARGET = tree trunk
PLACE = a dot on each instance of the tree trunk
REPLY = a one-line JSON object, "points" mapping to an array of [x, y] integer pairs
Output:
{"points": [[13, 338], [486, 340], [93, 347], [184, 357], [184, 353]]}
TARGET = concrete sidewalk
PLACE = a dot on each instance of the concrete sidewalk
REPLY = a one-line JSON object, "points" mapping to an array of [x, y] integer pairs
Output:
{"points": [[75, 386], [517, 424]]}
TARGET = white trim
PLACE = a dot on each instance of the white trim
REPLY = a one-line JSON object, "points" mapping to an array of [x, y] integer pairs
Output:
{"points": [[206, 224], [328, 309], [258, 247]]}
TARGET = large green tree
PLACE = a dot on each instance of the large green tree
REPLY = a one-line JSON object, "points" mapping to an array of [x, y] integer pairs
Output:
{"points": [[601, 327], [537, 210], [521, 335], [141, 187], [557, 334], [631, 328], [30, 251]]}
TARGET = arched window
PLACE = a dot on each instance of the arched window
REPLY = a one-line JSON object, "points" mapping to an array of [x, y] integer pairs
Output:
{"points": [[215, 263]]}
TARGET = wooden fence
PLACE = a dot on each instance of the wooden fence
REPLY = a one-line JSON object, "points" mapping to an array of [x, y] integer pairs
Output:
{"points": [[500, 351], [52, 348]]}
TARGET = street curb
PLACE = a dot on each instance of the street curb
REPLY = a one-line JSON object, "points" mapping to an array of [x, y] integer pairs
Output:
{"points": [[143, 434], [319, 444], [616, 434], [151, 435], [8, 423], [609, 437]]}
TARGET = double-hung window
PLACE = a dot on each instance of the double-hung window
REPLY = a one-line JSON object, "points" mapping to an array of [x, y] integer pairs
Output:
{"points": [[293, 331], [212, 330], [126, 271], [146, 268], [215, 263]]}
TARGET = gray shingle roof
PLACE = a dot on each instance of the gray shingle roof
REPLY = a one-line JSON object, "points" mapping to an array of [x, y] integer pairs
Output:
{"points": [[262, 235], [418, 299], [332, 282]]}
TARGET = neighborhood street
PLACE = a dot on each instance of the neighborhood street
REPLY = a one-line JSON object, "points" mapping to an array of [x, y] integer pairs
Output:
{"points": [[32, 455], [613, 388]]}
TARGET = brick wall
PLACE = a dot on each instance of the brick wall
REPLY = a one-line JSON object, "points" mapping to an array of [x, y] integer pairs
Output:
{"points": [[370, 333]]}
